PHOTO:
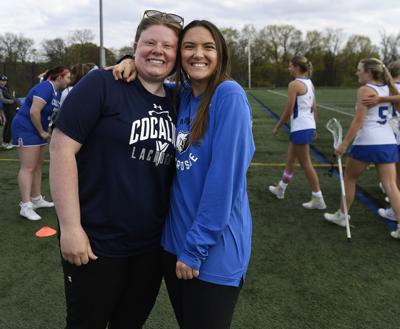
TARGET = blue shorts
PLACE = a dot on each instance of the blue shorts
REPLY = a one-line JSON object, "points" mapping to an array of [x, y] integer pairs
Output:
{"points": [[305, 136], [25, 134], [387, 153]]}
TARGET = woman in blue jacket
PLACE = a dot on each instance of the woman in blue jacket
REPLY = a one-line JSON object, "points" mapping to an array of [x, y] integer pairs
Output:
{"points": [[207, 234]]}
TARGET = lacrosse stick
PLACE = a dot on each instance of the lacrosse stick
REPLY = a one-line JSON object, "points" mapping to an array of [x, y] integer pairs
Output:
{"points": [[394, 123], [336, 130]]}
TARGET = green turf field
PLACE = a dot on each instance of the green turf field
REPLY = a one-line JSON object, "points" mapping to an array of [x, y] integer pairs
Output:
{"points": [[303, 273]]}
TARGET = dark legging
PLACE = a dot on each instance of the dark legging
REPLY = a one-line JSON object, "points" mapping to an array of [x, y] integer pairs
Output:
{"points": [[9, 112], [198, 304], [119, 292]]}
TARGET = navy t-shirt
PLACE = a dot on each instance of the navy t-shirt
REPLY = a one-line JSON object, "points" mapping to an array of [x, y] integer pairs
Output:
{"points": [[125, 164]]}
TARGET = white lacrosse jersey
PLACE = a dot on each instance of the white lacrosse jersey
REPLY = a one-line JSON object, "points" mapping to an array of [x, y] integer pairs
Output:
{"points": [[376, 129], [302, 117]]}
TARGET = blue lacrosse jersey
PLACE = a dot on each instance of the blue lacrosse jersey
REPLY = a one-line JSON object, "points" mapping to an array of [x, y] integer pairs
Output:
{"points": [[209, 223], [44, 91], [125, 164]]}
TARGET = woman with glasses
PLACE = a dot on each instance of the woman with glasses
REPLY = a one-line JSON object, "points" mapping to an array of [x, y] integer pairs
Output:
{"points": [[374, 140], [207, 235], [111, 168]]}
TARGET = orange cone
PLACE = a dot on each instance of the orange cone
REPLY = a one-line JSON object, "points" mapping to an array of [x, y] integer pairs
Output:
{"points": [[45, 232]]}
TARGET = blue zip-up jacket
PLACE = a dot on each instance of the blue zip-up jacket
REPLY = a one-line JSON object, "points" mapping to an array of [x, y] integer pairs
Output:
{"points": [[209, 224]]}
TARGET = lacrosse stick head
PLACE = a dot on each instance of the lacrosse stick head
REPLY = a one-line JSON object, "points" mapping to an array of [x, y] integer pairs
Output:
{"points": [[394, 123], [335, 128]]}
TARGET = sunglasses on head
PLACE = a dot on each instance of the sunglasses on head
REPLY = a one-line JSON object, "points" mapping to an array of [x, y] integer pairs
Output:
{"points": [[171, 17]]}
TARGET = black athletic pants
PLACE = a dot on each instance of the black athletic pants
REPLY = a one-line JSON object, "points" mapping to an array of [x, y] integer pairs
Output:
{"points": [[119, 292], [9, 112], [198, 304]]}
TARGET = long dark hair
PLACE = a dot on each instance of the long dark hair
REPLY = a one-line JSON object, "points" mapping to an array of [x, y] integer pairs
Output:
{"points": [[221, 74], [55, 72], [79, 70]]}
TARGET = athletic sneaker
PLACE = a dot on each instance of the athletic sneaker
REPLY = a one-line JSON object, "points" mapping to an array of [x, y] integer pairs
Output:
{"points": [[41, 203], [395, 234], [387, 213], [277, 190], [315, 203], [7, 146], [337, 218], [28, 212]]}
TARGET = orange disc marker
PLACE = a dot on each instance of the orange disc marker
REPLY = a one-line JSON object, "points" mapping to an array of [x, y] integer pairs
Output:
{"points": [[45, 232]]}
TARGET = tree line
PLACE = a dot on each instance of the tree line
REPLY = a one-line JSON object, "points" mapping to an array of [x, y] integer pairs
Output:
{"points": [[333, 56]]}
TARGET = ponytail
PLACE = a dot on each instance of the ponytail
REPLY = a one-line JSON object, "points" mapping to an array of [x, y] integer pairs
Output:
{"points": [[388, 80], [303, 64], [380, 73], [309, 69]]}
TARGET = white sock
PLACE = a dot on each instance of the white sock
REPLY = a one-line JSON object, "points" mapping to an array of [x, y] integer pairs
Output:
{"points": [[25, 204], [36, 198], [317, 194], [282, 185]]}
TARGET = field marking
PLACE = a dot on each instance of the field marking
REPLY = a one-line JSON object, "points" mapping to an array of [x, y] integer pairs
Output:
{"points": [[253, 164], [319, 105], [269, 164], [15, 160]]}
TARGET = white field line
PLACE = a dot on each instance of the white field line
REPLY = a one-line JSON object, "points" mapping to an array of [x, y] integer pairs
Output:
{"points": [[321, 106]]}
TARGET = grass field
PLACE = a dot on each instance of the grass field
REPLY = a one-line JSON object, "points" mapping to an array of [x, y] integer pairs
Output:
{"points": [[303, 273]]}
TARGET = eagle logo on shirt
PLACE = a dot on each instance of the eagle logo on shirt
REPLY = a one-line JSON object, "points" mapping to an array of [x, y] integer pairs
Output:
{"points": [[182, 141]]}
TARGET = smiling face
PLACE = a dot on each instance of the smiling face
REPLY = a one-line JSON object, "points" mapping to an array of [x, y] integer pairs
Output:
{"points": [[199, 56], [155, 53]]}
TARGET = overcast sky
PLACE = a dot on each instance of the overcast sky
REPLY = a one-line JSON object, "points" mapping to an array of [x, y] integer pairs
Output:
{"points": [[54, 18]]}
